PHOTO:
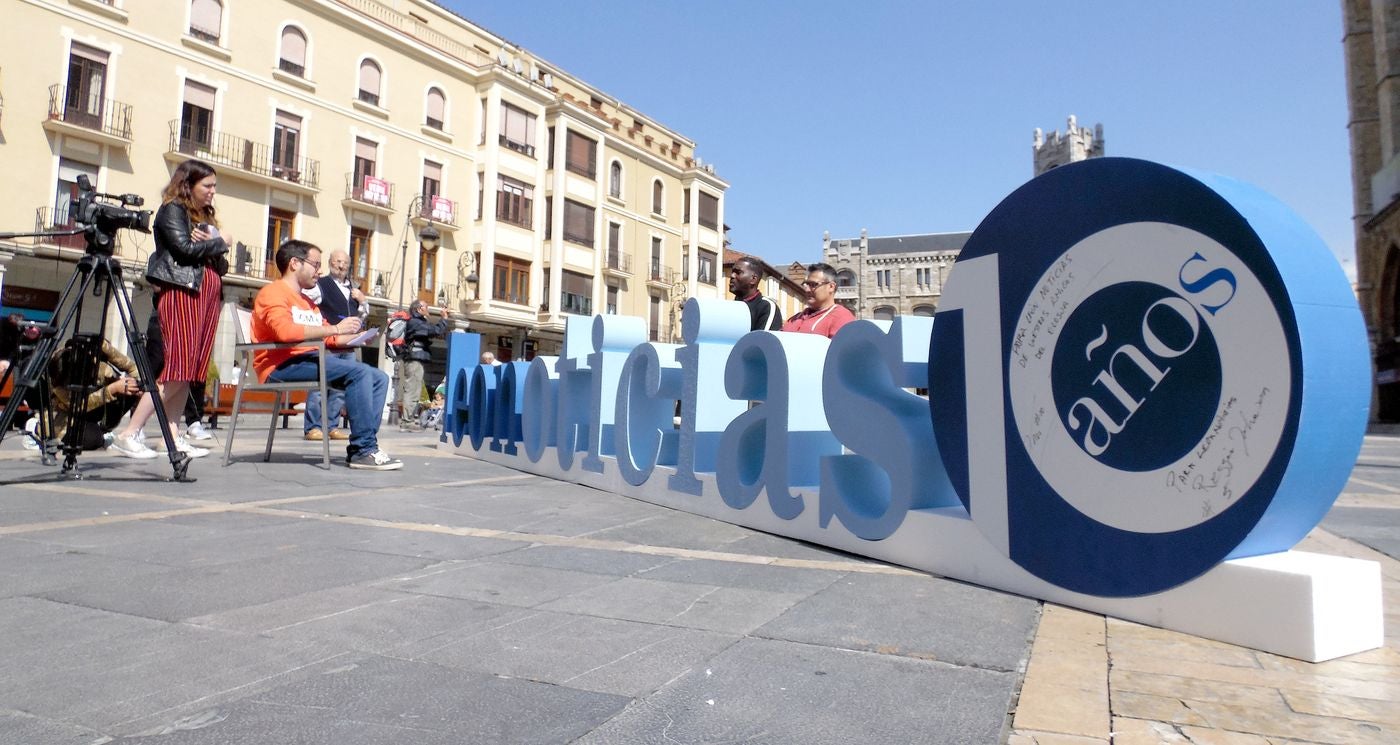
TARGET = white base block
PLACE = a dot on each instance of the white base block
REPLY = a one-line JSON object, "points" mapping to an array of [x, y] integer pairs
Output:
{"points": [[1307, 606]]}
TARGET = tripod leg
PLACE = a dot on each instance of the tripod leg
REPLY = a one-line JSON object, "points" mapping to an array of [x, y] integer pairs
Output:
{"points": [[136, 339]]}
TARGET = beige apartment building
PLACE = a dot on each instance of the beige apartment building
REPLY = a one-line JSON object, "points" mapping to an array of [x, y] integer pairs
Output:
{"points": [[451, 164]]}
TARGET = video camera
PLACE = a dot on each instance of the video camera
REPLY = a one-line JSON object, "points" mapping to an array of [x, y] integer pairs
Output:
{"points": [[102, 215]]}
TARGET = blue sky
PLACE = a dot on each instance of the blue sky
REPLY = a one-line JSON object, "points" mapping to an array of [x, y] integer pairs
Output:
{"points": [[916, 117]]}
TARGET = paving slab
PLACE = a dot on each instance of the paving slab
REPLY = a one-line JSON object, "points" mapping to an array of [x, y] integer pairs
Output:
{"points": [[729, 610], [914, 616], [584, 560], [510, 584], [595, 654], [778, 692]]}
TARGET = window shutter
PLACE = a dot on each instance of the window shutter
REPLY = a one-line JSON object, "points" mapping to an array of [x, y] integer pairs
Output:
{"points": [[205, 15], [432, 170], [88, 53], [287, 120], [369, 77], [293, 46], [199, 95], [436, 104], [365, 149]]}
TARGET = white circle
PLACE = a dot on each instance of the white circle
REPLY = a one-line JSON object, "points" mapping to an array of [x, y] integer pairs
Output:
{"points": [[1249, 418]]}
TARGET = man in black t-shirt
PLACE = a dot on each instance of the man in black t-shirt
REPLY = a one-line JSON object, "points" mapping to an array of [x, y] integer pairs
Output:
{"points": [[743, 283]]}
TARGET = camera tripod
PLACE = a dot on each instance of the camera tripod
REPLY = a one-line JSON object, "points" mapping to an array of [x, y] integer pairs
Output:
{"points": [[100, 273]]}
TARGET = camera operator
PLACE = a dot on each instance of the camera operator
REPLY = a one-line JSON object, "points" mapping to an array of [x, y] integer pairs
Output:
{"points": [[114, 387], [18, 338]]}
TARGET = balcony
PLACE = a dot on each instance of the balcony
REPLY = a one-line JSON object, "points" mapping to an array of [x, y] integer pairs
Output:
{"points": [[254, 262], [251, 160], [371, 194], [580, 305], [849, 292], [519, 147], [103, 120], [440, 211], [48, 219], [661, 276], [618, 264]]}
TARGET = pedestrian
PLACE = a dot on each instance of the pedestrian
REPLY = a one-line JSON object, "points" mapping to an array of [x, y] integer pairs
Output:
{"points": [[418, 337], [186, 268]]}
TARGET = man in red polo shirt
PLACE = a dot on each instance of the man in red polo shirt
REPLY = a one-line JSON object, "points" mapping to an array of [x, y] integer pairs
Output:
{"points": [[823, 315]]}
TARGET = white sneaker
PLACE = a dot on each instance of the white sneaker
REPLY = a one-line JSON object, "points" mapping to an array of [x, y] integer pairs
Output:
{"points": [[131, 448], [197, 431], [185, 447], [30, 438]]}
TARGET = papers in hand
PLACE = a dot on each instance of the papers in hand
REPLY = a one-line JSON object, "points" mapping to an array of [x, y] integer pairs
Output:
{"points": [[364, 337]]}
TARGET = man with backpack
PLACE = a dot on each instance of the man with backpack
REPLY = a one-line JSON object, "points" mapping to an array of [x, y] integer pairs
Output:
{"points": [[418, 335]]}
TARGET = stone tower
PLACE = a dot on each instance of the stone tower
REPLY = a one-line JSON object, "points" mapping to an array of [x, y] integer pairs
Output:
{"points": [[1076, 144]]}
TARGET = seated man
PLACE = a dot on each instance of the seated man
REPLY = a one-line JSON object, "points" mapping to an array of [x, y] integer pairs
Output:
{"points": [[112, 386], [281, 313]]}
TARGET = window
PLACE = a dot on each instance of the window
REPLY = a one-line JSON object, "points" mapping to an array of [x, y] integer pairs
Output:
{"points": [[614, 245], [612, 299], [845, 278], [513, 201], [432, 184], [427, 266], [882, 279], [548, 217], [685, 206], [196, 117], [615, 180], [437, 108], [366, 153], [87, 85], [926, 311], [884, 313], [512, 281], [709, 211], [658, 194], [685, 263], [206, 17], [577, 295], [549, 148], [654, 321], [279, 229], [706, 271], [286, 134], [517, 130], [480, 193], [578, 223], [370, 75], [359, 257], [924, 276], [655, 258], [580, 155], [67, 190], [293, 57]]}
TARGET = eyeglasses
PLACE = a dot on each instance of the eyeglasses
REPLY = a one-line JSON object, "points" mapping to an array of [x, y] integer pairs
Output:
{"points": [[314, 264], [809, 284]]}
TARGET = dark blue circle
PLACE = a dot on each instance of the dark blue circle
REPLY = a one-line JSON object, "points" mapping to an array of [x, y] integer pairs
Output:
{"points": [[1136, 383]]}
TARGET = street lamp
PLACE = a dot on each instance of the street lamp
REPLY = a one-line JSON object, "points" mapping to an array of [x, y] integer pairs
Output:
{"points": [[428, 238]]}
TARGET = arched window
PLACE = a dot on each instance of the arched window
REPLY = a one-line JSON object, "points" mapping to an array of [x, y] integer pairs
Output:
{"points": [[293, 58], [884, 313], [206, 19], [845, 278], [615, 179], [657, 197], [370, 75], [437, 109], [924, 310]]}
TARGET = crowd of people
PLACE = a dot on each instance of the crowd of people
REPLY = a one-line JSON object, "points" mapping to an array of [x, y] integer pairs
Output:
{"points": [[186, 270]]}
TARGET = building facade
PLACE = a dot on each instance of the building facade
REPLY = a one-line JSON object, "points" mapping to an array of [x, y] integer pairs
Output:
{"points": [[901, 275], [1371, 39], [452, 165]]}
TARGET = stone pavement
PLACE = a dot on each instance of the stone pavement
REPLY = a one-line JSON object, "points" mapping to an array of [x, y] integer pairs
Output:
{"points": [[460, 602]]}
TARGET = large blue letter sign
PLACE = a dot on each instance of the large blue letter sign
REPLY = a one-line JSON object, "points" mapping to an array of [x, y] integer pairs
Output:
{"points": [[1145, 385]]}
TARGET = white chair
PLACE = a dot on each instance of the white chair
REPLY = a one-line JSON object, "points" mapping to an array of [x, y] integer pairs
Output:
{"points": [[244, 350]]}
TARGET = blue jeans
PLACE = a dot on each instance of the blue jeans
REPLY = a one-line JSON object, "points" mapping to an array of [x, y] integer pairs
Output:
{"points": [[364, 386], [335, 401]]}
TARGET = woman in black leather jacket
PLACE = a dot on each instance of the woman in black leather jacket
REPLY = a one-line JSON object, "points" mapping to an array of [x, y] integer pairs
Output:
{"points": [[185, 270]]}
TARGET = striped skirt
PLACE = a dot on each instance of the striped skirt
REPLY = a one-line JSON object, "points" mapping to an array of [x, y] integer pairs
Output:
{"points": [[187, 325]]}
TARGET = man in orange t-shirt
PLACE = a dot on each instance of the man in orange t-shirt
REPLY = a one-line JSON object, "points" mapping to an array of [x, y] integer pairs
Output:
{"points": [[281, 313]]}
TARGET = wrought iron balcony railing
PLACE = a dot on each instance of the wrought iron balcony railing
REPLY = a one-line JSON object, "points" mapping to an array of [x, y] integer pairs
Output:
{"points": [[99, 114], [225, 149], [371, 194]]}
